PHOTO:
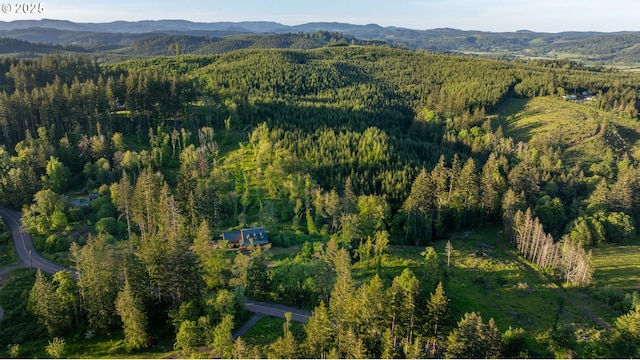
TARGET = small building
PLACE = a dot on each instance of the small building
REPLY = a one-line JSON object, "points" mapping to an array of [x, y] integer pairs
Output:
{"points": [[246, 237]]}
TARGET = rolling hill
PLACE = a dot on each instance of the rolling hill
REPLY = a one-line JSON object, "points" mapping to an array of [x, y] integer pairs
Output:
{"points": [[591, 48]]}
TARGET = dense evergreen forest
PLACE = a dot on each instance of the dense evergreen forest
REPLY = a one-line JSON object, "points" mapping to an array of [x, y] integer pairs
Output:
{"points": [[125, 40], [343, 151]]}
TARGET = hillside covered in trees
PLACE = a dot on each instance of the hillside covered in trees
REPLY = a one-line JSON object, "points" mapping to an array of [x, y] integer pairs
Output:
{"points": [[347, 153], [124, 40]]}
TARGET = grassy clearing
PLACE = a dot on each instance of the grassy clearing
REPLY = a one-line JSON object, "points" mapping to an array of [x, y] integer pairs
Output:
{"points": [[113, 348], [483, 278], [269, 329], [550, 119], [617, 266], [585, 132]]}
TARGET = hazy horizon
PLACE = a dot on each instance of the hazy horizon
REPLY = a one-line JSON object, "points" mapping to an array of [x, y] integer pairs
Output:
{"points": [[482, 15]]}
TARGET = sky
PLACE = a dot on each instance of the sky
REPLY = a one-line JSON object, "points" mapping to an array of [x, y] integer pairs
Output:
{"points": [[485, 15]]}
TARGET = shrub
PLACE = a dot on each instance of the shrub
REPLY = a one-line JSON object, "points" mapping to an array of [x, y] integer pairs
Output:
{"points": [[107, 225], [57, 243], [514, 343], [56, 348], [609, 295]]}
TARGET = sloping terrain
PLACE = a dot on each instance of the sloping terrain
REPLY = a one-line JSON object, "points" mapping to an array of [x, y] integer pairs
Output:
{"points": [[585, 133], [593, 48]]}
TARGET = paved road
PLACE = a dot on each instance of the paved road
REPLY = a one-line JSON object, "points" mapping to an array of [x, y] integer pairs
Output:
{"points": [[248, 325], [23, 245], [30, 257], [262, 309], [277, 310]]}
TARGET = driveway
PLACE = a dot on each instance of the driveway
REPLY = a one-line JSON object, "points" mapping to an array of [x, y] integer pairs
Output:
{"points": [[30, 257]]}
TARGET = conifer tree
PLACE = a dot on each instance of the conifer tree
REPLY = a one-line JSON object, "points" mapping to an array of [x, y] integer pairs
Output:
{"points": [[223, 337], [134, 319], [44, 303], [284, 347], [97, 269], [440, 178], [122, 195], [319, 333], [437, 316], [474, 339], [419, 208], [466, 195]]}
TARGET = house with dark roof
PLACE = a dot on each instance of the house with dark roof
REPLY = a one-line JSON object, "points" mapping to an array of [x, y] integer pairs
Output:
{"points": [[246, 237]]}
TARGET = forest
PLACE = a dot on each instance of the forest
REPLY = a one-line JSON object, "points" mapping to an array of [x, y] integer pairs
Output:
{"points": [[119, 41], [387, 179]]}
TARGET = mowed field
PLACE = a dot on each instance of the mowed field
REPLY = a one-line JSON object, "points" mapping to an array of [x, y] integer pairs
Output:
{"points": [[617, 266]]}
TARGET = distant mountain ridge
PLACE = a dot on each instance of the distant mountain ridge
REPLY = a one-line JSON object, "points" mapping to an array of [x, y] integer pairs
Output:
{"points": [[593, 48], [143, 26]]}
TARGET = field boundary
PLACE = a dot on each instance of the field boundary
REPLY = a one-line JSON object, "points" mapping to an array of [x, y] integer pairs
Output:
{"points": [[553, 286]]}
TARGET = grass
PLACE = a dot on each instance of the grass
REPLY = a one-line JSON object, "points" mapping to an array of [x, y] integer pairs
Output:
{"points": [[112, 347], [19, 326], [548, 119], [617, 266], [484, 278], [580, 129], [7, 254], [281, 253], [269, 329]]}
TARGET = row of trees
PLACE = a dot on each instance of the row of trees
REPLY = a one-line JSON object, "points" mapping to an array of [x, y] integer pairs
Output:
{"points": [[567, 257]]}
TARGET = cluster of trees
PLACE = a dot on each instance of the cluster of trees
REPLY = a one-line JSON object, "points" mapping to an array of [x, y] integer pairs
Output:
{"points": [[376, 116], [384, 321], [70, 96], [351, 148], [566, 256], [156, 276], [29, 49], [338, 119]]}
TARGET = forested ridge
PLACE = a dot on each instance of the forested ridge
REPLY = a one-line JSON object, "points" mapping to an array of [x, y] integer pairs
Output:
{"points": [[348, 152], [124, 40]]}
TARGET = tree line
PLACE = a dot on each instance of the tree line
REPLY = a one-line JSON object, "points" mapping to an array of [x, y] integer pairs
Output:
{"points": [[354, 147]]}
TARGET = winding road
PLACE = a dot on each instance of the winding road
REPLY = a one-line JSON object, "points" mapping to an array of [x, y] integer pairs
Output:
{"points": [[23, 245], [30, 257]]}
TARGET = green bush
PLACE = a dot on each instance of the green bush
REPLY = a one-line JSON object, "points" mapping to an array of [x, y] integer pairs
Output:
{"points": [[107, 225], [76, 214], [611, 296], [56, 243]]}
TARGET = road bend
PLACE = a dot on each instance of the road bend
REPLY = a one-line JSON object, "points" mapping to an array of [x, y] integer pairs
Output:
{"points": [[24, 247], [29, 257]]}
